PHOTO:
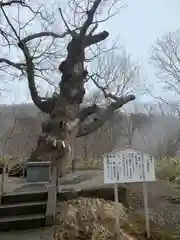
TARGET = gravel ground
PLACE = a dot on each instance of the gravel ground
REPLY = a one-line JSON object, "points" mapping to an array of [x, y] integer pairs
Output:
{"points": [[161, 208]]}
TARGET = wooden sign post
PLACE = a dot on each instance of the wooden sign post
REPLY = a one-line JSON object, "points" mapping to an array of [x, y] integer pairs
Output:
{"points": [[129, 166], [146, 209], [116, 208]]}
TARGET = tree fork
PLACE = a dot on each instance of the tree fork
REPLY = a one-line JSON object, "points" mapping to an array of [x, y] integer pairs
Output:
{"points": [[66, 119]]}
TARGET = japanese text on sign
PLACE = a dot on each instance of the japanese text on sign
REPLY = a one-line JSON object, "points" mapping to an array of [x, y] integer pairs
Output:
{"points": [[128, 167]]}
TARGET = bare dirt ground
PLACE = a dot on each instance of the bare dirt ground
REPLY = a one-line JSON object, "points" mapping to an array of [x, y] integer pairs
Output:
{"points": [[164, 204], [164, 198]]}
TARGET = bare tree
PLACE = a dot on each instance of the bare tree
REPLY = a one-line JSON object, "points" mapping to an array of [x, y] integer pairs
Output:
{"points": [[133, 122], [4, 159], [165, 57], [67, 119], [169, 145]]}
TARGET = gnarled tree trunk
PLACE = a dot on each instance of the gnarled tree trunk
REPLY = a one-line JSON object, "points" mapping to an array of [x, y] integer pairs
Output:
{"points": [[66, 118]]}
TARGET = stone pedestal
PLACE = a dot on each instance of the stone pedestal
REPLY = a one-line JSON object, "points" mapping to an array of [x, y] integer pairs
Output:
{"points": [[38, 171]]}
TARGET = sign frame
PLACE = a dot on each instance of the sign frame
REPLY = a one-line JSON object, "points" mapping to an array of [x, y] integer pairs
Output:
{"points": [[128, 167], [117, 159]]}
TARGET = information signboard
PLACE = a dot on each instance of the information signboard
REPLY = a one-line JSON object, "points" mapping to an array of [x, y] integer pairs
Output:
{"points": [[127, 167]]}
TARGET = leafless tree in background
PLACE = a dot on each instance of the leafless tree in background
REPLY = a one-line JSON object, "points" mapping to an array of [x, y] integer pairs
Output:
{"points": [[67, 119], [166, 58], [100, 141], [133, 122], [5, 158], [170, 144], [115, 73]]}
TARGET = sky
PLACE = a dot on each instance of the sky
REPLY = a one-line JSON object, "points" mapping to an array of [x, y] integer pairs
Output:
{"points": [[139, 25]]}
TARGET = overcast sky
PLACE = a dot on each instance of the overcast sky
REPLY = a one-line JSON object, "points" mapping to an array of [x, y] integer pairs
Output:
{"points": [[139, 25]]}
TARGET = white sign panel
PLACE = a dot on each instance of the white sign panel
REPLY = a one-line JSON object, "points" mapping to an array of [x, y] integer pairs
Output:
{"points": [[127, 167]]}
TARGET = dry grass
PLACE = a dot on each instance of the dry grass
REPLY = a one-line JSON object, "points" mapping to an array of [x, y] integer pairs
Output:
{"points": [[89, 219], [94, 219]]}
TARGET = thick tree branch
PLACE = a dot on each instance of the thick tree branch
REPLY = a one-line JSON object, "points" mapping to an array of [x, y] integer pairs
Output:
{"points": [[87, 111], [102, 116], [44, 34], [120, 102], [90, 16], [93, 29], [30, 73], [92, 39], [45, 105], [9, 3]]}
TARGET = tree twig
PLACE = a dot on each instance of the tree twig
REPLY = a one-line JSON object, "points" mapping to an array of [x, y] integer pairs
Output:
{"points": [[10, 24], [72, 33]]}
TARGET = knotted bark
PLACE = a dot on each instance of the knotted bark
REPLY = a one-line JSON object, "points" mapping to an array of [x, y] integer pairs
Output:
{"points": [[66, 118]]}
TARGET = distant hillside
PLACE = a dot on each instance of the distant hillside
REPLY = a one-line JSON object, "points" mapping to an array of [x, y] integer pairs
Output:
{"points": [[20, 128]]}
